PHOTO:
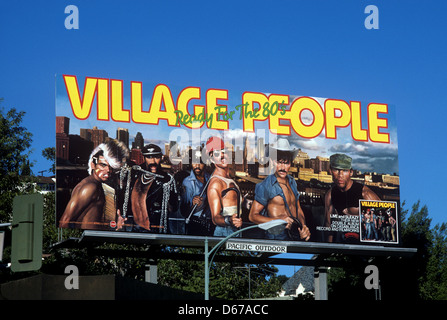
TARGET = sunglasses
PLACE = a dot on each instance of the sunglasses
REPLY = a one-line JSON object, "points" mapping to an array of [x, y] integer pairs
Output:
{"points": [[218, 153], [157, 156]]}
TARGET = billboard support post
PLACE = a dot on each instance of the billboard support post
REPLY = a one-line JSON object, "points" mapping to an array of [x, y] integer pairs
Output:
{"points": [[320, 278], [378, 293], [151, 272], [207, 272]]}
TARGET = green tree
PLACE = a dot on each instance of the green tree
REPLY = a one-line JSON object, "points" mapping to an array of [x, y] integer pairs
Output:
{"points": [[434, 285], [15, 143], [416, 233], [50, 154]]}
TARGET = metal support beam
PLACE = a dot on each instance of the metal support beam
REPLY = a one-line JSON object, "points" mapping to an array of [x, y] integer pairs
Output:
{"points": [[117, 253], [320, 278], [151, 272], [198, 241]]}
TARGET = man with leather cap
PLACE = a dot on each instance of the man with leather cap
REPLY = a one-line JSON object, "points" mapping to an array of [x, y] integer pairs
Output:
{"points": [[154, 196]]}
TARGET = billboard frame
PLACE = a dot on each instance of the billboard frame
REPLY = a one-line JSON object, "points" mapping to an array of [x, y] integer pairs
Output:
{"points": [[317, 106], [89, 237]]}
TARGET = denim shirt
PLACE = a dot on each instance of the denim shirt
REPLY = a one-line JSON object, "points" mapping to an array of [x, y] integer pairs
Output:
{"points": [[270, 188], [191, 188]]}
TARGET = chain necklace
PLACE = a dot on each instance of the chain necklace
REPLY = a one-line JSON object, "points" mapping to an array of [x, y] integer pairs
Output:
{"points": [[125, 173]]}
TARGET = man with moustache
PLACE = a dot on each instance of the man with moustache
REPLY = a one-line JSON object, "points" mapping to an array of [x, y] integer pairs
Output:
{"points": [[154, 195], [85, 208], [343, 197], [194, 203], [223, 193], [276, 197]]}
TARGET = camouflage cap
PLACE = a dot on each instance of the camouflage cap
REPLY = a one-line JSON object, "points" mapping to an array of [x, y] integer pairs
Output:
{"points": [[341, 161]]}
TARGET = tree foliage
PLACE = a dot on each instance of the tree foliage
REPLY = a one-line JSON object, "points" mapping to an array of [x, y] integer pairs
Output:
{"points": [[50, 154], [430, 262], [15, 143]]}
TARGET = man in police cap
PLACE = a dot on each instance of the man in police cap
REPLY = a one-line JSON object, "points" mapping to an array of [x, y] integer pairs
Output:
{"points": [[154, 196], [343, 198]]}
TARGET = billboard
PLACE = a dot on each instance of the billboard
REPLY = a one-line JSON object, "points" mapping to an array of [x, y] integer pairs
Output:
{"points": [[189, 160]]}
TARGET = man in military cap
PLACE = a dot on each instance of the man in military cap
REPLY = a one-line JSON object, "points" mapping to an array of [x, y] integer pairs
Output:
{"points": [[343, 198], [154, 195]]}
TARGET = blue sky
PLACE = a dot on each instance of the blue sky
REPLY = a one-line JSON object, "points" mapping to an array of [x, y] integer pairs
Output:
{"points": [[312, 48]]}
